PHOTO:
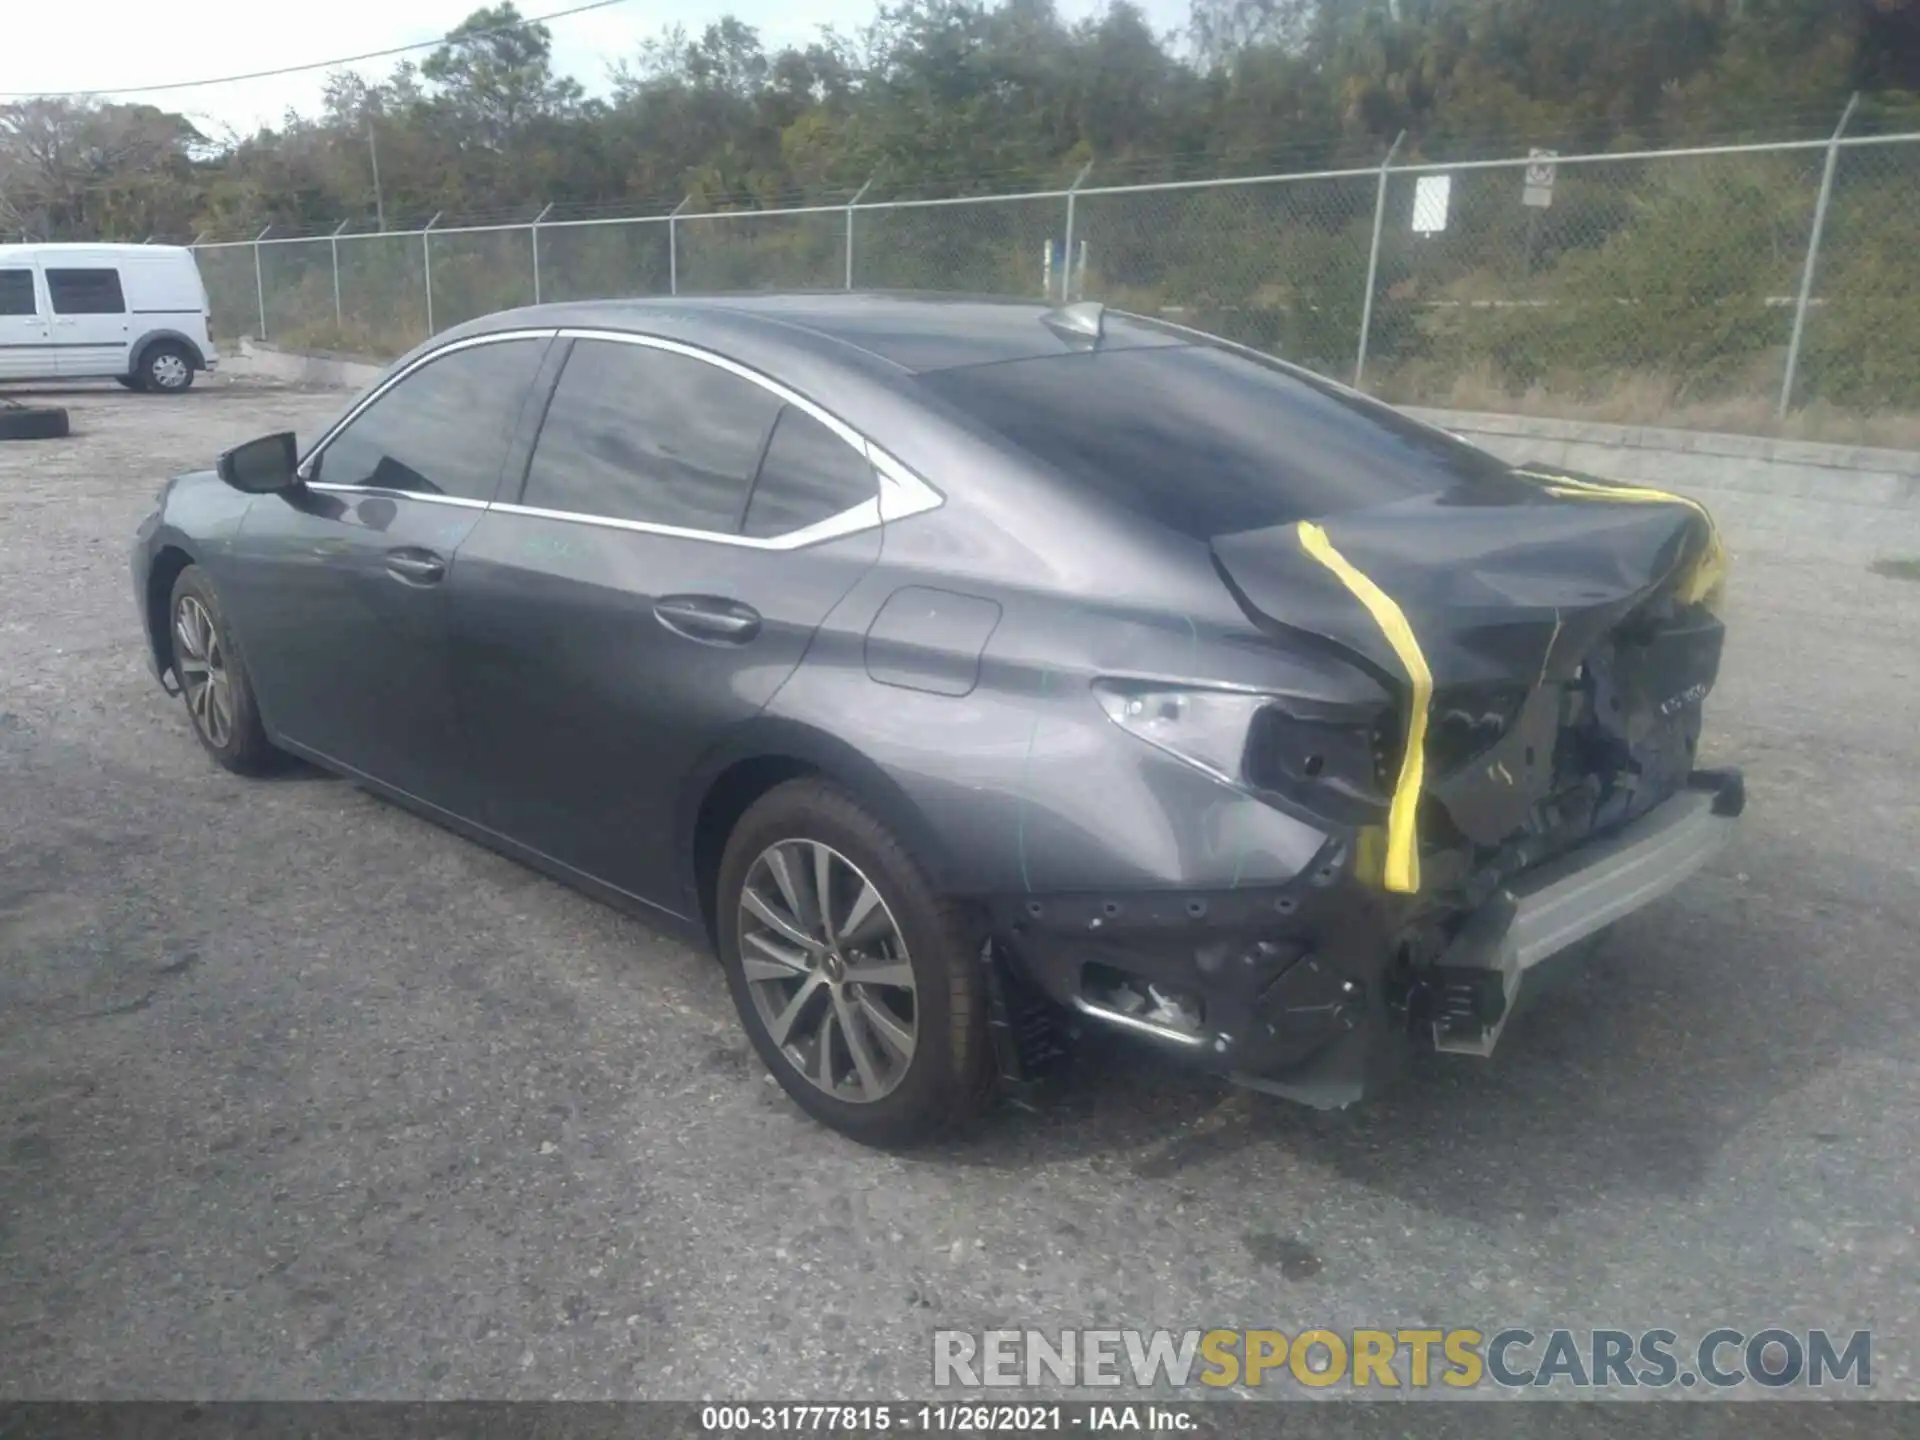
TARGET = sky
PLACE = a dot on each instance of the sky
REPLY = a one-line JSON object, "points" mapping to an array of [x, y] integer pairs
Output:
{"points": [[140, 43]]}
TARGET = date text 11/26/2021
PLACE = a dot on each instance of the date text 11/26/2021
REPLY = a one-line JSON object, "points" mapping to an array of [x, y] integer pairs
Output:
{"points": [[942, 1419]]}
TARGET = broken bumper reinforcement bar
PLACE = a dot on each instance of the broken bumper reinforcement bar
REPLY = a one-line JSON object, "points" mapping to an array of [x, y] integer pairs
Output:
{"points": [[1548, 909]]}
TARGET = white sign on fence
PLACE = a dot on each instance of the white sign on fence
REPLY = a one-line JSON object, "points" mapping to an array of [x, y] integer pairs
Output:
{"points": [[1540, 174], [1431, 196]]}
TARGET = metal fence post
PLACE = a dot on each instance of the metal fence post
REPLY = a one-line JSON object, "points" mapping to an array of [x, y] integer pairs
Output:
{"points": [[426, 265], [1373, 260], [858, 195], [536, 250], [1813, 255], [333, 243], [673, 245], [260, 281], [1066, 251]]}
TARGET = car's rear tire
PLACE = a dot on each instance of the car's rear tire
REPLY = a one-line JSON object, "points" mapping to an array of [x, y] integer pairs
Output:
{"points": [[898, 1058], [33, 422], [214, 680], [165, 368]]}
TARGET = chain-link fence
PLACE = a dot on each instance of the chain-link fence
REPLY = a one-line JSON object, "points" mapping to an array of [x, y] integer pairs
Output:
{"points": [[1280, 264], [605, 259], [1738, 280], [980, 247]]}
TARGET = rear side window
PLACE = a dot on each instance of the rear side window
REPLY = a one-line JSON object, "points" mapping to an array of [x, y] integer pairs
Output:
{"points": [[647, 435], [1208, 441], [16, 293], [86, 292], [810, 474], [444, 430]]}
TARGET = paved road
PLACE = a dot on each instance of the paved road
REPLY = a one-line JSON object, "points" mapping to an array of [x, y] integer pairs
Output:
{"points": [[300, 1096]]}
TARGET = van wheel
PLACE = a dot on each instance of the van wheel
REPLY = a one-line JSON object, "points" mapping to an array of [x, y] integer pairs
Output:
{"points": [[128, 382], [166, 368]]}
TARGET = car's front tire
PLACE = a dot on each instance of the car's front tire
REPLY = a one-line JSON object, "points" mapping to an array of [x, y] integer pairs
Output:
{"points": [[869, 1009], [214, 679]]}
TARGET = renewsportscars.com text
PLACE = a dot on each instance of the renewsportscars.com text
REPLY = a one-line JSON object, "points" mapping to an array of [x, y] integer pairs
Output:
{"points": [[1404, 1358]]}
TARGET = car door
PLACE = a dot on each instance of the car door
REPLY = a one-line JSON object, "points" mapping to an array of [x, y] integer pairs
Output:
{"points": [[338, 587], [26, 344], [89, 320], [645, 594]]}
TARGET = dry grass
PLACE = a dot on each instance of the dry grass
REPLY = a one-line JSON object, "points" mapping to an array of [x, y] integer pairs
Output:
{"points": [[1653, 399]]}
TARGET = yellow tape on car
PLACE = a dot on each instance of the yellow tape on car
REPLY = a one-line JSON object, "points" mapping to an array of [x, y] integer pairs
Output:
{"points": [[1705, 580], [1401, 871]]}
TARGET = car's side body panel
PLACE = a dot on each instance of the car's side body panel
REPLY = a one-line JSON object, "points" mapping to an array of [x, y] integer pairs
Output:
{"points": [[584, 710], [581, 688]]}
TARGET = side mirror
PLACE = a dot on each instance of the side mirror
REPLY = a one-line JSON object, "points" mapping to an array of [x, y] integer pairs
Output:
{"points": [[262, 467]]}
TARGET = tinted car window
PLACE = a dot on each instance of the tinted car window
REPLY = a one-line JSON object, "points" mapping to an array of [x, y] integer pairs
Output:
{"points": [[16, 293], [809, 475], [444, 429], [85, 292], [635, 433], [1208, 441]]}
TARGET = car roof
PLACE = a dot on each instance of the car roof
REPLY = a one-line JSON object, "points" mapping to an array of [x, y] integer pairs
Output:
{"points": [[117, 247], [910, 332]]}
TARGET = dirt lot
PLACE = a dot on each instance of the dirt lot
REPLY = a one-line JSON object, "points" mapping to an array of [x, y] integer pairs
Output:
{"points": [[300, 1096]]}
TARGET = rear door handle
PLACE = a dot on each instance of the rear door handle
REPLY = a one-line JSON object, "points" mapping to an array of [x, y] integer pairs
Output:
{"points": [[416, 566], [709, 618]]}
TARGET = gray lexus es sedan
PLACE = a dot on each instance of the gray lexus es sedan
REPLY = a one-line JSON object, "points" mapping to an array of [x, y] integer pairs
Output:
{"points": [[969, 673]]}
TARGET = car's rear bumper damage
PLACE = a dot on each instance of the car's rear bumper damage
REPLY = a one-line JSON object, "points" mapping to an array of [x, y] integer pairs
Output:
{"points": [[1319, 990]]}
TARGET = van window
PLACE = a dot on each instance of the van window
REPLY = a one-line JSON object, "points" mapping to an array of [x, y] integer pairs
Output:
{"points": [[86, 292], [16, 293]]}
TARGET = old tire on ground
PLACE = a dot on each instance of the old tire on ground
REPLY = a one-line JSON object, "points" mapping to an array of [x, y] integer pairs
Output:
{"points": [[214, 679], [165, 368], [873, 1018], [32, 422]]}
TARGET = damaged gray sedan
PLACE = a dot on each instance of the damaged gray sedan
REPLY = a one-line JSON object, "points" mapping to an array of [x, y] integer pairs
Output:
{"points": [[955, 666]]}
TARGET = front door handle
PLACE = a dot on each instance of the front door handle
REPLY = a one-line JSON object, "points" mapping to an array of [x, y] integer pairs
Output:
{"points": [[709, 618], [416, 566]]}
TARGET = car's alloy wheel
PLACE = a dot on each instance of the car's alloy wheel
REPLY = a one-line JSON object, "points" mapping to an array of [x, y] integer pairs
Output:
{"points": [[828, 970], [202, 666], [859, 985]]}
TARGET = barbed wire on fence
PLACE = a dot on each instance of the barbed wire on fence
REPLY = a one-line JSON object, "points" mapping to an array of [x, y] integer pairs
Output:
{"points": [[1748, 276]]}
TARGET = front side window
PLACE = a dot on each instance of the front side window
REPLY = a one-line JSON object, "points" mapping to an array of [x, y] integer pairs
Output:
{"points": [[809, 474], [648, 435], [86, 292], [16, 293], [443, 430]]}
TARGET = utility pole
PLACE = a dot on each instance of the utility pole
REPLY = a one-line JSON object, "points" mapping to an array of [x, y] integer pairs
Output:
{"points": [[373, 152]]}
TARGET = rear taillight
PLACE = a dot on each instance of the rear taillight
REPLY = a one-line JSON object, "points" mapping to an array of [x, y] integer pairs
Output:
{"points": [[1329, 761]]}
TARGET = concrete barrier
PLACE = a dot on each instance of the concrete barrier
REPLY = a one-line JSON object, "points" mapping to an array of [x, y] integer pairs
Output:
{"points": [[324, 371], [1797, 494]]}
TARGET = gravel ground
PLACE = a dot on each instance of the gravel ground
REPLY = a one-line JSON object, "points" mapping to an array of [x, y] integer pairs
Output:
{"points": [[303, 1097]]}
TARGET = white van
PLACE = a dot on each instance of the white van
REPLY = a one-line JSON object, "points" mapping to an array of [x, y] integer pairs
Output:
{"points": [[133, 313]]}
